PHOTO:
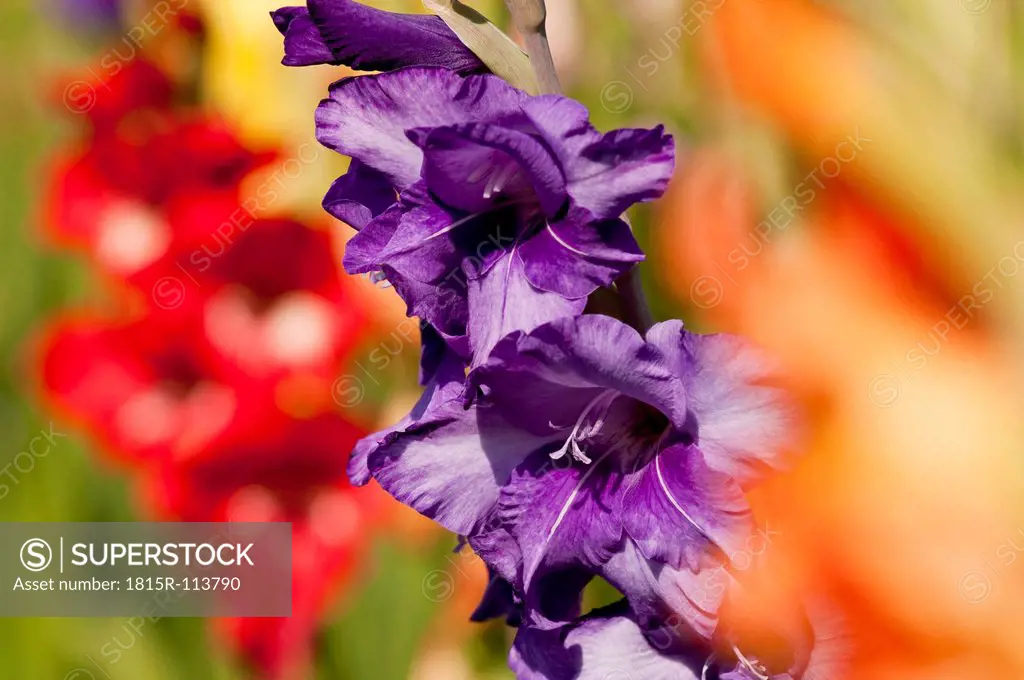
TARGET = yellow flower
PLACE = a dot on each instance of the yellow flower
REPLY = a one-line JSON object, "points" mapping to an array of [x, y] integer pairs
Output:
{"points": [[243, 77]]}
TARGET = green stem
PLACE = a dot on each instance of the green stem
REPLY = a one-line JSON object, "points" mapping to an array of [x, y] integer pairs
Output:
{"points": [[630, 289], [530, 17], [631, 293]]}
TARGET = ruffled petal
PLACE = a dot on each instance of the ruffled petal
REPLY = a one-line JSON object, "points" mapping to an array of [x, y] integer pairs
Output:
{"points": [[435, 244], [622, 168], [425, 246], [359, 195], [563, 517], [746, 423], [498, 549], [575, 256], [366, 117], [358, 470], [303, 44], [606, 173], [443, 307], [362, 252], [345, 32], [444, 385], [421, 248], [503, 301], [687, 601], [604, 646], [681, 512], [473, 166], [451, 466], [571, 360]]}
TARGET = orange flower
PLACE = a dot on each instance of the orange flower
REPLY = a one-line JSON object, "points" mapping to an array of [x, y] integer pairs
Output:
{"points": [[904, 513]]}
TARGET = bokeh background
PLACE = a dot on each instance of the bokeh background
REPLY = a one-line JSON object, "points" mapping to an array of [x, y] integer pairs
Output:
{"points": [[849, 196]]}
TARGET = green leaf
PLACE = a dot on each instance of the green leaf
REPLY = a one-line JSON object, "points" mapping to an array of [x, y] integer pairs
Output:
{"points": [[488, 42]]}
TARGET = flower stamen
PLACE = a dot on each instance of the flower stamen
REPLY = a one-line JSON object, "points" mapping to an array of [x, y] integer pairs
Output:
{"points": [[582, 431], [707, 666], [755, 667]]}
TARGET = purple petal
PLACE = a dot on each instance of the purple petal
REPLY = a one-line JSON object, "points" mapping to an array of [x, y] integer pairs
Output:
{"points": [[284, 17], [362, 252], [440, 304], [746, 423], [421, 246], [369, 39], [503, 301], [681, 512], [687, 600], [498, 548], [623, 168], [366, 117], [426, 244], [359, 195], [443, 307], [606, 173], [563, 516], [451, 465], [435, 243], [444, 386], [498, 601], [435, 354], [571, 360], [358, 469], [576, 256], [303, 44], [606, 646], [424, 247], [475, 165]]}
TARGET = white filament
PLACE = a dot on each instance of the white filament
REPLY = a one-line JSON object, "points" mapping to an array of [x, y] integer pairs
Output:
{"points": [[601, 402]]}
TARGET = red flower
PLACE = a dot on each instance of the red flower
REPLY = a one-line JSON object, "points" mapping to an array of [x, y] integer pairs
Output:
{"points": [[147, 389], [289, 461], [322, 563], [159, 183], [106, 94], [273, 300], [289, 471], [239, 325]]}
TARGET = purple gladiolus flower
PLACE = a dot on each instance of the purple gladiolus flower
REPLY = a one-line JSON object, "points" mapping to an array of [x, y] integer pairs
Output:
{"points": [[611, 643], [442, 372], [508, 205], [587, 449], [604, 645], [369, 39], [574, 447]]}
